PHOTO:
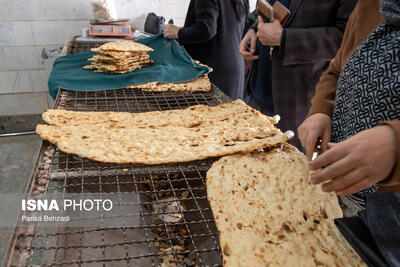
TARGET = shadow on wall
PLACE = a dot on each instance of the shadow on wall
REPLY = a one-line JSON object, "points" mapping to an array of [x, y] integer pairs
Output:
{"points": [[104, 10]]}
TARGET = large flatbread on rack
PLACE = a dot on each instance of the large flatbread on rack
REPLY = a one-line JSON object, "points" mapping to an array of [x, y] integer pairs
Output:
{"points": [[193, 133], [268, 213]]}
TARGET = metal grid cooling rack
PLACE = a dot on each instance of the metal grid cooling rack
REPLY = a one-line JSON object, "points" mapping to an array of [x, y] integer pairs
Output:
{"points": [[135, 100], [190, 241], [77, 47], [184, 235]]}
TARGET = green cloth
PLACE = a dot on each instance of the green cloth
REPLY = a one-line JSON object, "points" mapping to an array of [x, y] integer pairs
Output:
{"points": [[172, 64]]}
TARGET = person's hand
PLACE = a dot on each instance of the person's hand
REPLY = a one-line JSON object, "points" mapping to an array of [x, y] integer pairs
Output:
{"points": [[315, 127], [357, 163], [269, 33], [171, 31], [248, 46]]}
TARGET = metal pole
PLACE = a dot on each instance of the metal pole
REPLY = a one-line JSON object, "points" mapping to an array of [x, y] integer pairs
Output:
{"points": [[16, 134]]}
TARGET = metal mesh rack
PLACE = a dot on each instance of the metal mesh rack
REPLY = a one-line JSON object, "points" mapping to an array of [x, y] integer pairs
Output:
{"points": [[147, 231], [77, 47], [139, 237], [134, 100]]}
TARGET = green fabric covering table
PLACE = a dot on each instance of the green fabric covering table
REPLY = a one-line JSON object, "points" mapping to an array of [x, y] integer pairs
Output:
{"points": [[171, 64]]}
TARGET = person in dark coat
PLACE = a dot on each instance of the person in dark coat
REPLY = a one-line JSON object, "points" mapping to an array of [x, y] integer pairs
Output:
{"points": [[212, 34], [302, 50]]}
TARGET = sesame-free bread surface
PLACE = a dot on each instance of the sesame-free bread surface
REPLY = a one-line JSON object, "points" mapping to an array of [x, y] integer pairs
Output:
{"points": [[268, 213], [125, 46], [193, 133]]}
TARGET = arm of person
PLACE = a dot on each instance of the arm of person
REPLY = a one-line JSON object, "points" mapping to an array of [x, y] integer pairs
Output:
{"points": [[364, 159], [315, 44], [392, 183], [248, 46], [317, 125], [325, 91], [205, 27]]}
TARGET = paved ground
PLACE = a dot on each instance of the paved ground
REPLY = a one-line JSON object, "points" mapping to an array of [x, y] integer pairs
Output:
{"points": [[17, 158]]}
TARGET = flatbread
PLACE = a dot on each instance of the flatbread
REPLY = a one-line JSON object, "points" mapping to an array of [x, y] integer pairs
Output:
{"points": [[201, 84], [125, 46], [194, 133], [117, 54], [117, 68], [111, 59], [199, 113], [127, 65], [119, 57], [268, 213]]}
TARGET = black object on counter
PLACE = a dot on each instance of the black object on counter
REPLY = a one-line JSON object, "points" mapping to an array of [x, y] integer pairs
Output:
{"points": [[375, 232], [154, 24]]}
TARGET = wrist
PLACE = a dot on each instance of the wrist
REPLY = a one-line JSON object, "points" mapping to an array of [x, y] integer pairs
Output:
{"points": [[389, 135], [253, 27], [280, 38], [321, 115], [178, 32], [283, 38], [391, 182], [392, 146]]}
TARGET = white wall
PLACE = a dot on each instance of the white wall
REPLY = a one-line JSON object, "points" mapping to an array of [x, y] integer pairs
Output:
{"points": [[29, 26], [26, 28], [253, 4], [137, 10]]}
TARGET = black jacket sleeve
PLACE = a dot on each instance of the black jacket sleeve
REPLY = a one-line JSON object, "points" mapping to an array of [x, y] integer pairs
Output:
{"points": [[206, 14]]}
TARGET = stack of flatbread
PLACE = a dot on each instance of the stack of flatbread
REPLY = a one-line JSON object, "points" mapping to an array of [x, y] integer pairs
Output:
{"points": [[119, 57], [268, 213], [194, 133]]}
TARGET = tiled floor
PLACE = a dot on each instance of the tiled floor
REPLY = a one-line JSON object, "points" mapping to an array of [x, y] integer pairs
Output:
{"points": [[17, 158]]}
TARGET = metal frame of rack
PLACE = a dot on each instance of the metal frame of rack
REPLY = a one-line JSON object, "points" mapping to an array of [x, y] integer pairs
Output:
{"points": [[144, 194]]}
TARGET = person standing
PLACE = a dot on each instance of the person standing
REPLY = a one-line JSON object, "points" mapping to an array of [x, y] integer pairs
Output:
{"points": [[317, 125], [301, 50], [212, 33], [357, 108]]}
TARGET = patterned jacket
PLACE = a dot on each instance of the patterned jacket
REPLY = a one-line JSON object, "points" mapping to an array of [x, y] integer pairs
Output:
{"points": [[368, 88], [365, 18]]}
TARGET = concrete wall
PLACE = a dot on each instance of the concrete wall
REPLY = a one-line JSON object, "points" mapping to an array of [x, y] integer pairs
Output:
{"points": [[137, 10], [29, 26], [26, 28]]}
